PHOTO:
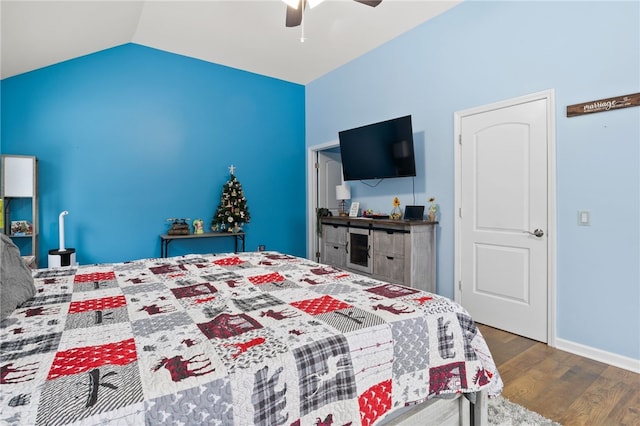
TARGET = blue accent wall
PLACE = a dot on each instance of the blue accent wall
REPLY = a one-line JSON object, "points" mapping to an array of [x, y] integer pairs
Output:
{"points": [[130, 136], [482, 52]]}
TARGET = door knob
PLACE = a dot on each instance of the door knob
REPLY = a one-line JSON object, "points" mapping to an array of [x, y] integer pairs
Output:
{"points": [[536, 233]]}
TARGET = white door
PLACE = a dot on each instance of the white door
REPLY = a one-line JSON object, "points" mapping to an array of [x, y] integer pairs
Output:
{"points": [[328, 174], [503, 216]]}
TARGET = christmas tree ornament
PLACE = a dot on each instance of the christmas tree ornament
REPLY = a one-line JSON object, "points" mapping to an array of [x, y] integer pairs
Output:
{"points": [[232, 212]]}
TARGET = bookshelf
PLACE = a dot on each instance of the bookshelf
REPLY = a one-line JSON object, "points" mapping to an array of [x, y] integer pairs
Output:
{"points": [[19, 196]]}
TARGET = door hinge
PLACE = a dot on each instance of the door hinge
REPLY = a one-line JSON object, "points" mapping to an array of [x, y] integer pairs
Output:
{"points": [[460, 285], [317, 165], [460, 212], [317, 255], [460, 139]]}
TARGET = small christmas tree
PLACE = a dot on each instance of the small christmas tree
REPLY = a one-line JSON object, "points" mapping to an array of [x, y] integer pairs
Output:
{"points": [[232, 211]]}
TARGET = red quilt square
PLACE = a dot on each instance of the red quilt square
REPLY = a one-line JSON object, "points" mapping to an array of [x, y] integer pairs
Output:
{"points": [[393, 290], [228, 261], [79, 360], [321, 305], [194, 290], [274, 277], [95, 276], [375, 402], [97, 304]]}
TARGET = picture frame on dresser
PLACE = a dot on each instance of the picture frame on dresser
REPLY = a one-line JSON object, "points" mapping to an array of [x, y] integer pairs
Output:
{"points": [[353, 210]]}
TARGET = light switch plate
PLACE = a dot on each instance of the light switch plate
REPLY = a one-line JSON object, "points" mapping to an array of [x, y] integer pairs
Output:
{"points": [[584, 218]]}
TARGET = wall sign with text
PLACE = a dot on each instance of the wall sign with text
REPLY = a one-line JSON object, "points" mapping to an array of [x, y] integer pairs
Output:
{"points": [[604, 105]]}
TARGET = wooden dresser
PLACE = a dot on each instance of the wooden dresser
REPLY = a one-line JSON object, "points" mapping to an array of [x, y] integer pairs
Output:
{"points": [[398, 251]]}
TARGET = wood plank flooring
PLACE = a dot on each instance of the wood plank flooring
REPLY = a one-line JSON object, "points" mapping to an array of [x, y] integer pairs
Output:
{"points": [[566, 388]]}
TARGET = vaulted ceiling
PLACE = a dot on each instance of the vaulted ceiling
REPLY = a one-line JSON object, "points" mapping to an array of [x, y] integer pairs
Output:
{"points": [[248, 35]]}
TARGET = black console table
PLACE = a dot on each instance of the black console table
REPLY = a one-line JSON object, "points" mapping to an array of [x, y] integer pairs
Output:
{"points": [[165, 239]]}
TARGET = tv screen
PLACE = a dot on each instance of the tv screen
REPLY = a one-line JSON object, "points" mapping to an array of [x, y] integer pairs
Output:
{"points": [[378, 151]]}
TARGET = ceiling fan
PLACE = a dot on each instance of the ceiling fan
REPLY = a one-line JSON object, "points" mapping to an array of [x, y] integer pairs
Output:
{"points": [[296, 7]]}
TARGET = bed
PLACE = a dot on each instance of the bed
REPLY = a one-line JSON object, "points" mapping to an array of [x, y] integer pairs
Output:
{"points": [[258, 338]]}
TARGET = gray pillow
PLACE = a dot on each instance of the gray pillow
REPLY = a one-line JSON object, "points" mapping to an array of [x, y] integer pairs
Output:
{"points": [[16, 280]]}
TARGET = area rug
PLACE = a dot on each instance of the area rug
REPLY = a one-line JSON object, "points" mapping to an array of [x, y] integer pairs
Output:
{"points": [[502, 412]]}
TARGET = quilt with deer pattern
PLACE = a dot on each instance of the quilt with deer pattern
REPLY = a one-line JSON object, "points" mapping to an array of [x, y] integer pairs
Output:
{"points": [[259, 338]]}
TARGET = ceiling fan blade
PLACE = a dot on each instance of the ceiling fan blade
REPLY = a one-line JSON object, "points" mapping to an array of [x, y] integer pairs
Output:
{"points": [[372, 3], [294, 16]]}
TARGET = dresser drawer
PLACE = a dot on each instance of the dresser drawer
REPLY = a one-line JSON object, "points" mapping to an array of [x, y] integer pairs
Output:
{"points": [[389, 268], [334, 254], [334, 234], [389, 243]]}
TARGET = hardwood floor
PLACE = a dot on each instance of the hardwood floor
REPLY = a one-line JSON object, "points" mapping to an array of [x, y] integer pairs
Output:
{"points": [[566, 388]]}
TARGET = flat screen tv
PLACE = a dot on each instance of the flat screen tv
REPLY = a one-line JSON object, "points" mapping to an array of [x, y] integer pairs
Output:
{"points": [[379, 150]]}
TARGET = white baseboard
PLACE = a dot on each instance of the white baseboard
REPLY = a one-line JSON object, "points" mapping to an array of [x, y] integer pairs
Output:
{"points": [[599, 355]]}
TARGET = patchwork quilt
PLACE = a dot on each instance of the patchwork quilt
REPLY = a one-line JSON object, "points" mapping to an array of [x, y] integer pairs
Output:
{"points": [[259, 338]]}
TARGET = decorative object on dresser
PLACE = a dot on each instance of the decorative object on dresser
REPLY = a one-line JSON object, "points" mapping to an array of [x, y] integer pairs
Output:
{"points": [[396, 213], [343, 193], [232, 211], [433, 209], [372, 214], [402, 252]]}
